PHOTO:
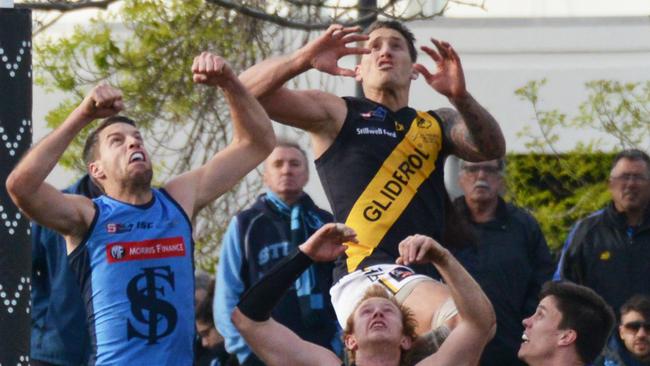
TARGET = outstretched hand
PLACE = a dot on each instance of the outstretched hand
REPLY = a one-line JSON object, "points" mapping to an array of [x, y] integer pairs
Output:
{"points": [[324, 52], [102, 101], [449, 79], [326, 244], [419, 249], [211, 69]]}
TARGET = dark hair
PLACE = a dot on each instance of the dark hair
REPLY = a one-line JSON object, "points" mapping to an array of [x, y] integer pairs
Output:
{"points": [[203, 281], [90, 146], [203, 308], [634, 155], [399, 27], [585, 312], [638, 303]]}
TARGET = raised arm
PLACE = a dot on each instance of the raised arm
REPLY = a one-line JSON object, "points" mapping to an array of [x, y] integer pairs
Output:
{"points": [[272, 342], [472, 131], [466, 341], [253, 139], [312, 110], [69, 215]]}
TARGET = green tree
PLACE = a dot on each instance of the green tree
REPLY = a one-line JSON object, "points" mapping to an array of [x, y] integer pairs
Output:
{"points": [[146, 49], [304, 15], [562, 187]]}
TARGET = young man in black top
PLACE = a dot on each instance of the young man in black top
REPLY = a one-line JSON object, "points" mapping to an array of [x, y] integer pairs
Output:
{"points": [[381, 161]]}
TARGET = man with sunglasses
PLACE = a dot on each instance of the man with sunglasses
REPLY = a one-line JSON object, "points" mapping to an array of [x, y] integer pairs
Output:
{"points": [[509, 245], [632, 345], [609, 251]]}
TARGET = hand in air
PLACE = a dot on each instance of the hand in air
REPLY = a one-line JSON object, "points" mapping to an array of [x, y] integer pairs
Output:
{"points": [[420, 249], [326, 244], [325, 51], [102, 101], [211, 69], [449, 79]]}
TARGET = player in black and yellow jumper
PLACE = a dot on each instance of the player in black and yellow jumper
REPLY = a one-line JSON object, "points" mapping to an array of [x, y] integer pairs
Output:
{"points": [[381, 161]]}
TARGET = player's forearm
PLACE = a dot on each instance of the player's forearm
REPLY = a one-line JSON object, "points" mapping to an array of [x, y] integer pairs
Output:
{"points": [[271, 74], [251, 124], [41, 159], [483, 130], [472, 303]]}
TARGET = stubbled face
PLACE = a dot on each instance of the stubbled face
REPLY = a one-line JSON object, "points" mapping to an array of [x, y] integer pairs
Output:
{"points": [[210, 338], [286, 172], [388, 65], [481, 182], [377, 320], [635, 333], [122, 157], [541, 333], [629, 185]]}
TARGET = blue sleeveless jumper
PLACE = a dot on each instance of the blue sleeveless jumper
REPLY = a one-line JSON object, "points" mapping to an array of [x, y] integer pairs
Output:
{"points": [[135, 268]]}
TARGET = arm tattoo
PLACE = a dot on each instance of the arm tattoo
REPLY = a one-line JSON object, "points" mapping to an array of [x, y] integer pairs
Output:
{"points": [[474, 134]]}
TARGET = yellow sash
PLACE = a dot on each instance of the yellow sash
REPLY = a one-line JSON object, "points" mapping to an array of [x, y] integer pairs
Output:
{"points": [[393, 187]]}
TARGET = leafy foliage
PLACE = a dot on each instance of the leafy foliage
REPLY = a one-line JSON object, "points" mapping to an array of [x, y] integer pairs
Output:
{"points": [[146, 48], [558, 189], [562, 187]]}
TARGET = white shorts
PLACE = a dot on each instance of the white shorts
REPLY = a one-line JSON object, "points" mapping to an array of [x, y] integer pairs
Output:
{"points": [[398, 281]]}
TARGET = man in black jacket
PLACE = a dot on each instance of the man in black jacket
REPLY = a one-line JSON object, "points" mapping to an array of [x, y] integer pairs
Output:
{"points": [[609, 251], [261, 236], [510, 260]]}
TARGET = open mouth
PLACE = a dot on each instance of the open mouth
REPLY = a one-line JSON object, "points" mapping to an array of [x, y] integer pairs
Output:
{"points": [[136, 157], [524, 338], [377, 325]]}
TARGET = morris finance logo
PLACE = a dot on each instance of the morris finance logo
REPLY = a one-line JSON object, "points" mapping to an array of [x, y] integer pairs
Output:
{"points": [[146, 249], [117, 252]]}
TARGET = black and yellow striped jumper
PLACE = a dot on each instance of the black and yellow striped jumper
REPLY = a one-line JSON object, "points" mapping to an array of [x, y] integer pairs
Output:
{"points": [[383, 176]]}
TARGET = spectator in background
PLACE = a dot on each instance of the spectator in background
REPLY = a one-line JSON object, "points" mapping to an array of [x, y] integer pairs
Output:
{"points": [[631, 347], [59, 334], [609, 251], [263, 235], [511, 260], [210, 350], [569, 327]]}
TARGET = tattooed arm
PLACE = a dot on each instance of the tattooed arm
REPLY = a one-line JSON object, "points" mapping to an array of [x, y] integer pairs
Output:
{"points": [[473, 133]]}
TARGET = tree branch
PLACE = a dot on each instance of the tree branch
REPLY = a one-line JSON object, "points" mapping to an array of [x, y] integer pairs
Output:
{"points": [[278, 20], [63, 5], [307, 25]]}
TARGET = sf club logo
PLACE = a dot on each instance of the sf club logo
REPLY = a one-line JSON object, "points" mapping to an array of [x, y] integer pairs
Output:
{"points": [[157, 316]]}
